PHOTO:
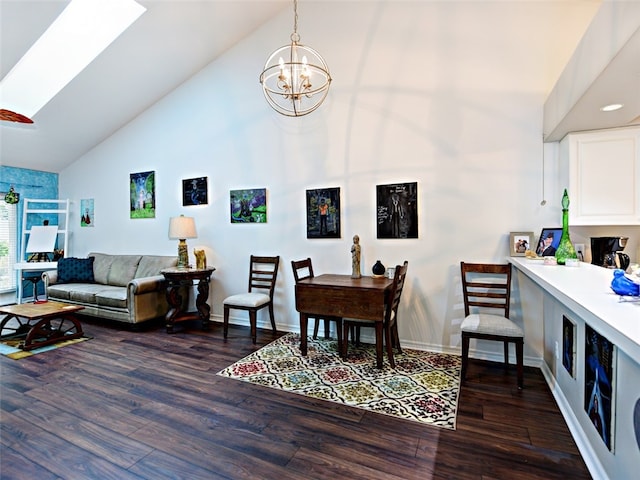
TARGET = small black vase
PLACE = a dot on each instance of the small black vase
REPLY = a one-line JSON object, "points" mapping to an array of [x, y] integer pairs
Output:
{"points": [[378, 268]]}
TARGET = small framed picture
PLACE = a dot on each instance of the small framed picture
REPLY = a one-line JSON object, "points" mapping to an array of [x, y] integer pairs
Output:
{"points": [[323, 213], [520, 242], [548, 241], [248, 206], [194, 191], [569, 345]]}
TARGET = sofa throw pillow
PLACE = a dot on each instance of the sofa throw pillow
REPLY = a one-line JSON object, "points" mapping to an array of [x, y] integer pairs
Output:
{"points": [[75, 270]]}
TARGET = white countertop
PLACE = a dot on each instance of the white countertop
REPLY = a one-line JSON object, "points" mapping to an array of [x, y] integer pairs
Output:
{"points": [[36, 266], [586, 290]]}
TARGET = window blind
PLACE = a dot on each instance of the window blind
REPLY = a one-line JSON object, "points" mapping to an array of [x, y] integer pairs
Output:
{"points": [[8, 244]]}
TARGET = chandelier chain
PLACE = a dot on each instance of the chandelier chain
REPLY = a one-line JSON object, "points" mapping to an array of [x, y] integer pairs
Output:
{"points": [[295, 17]]}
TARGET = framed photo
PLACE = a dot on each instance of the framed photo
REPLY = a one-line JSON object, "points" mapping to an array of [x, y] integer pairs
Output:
{"points": [[548, 242], [87, 216], [397, 210], [323, 213], [599, 390], [520, 242], [569, 346], [248, 206], [194, 191], [142, 191]]}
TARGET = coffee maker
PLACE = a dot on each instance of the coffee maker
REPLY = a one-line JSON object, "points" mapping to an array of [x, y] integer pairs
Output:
{"points": [[607, 252]]}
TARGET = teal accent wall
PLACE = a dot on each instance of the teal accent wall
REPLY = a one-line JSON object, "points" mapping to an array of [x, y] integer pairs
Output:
{"points": [[29, 184]]}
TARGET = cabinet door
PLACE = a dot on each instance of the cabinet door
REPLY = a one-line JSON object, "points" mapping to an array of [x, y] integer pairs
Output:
{"points": [[604, 183]]}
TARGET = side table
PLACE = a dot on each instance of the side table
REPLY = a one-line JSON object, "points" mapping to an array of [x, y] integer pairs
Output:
{"points": [[184, 277]]}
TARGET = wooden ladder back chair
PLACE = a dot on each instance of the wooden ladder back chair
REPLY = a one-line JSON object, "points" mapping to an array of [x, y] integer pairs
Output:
{"points": [[486, 290], [263, 272], [303, 269], [390, 323]]}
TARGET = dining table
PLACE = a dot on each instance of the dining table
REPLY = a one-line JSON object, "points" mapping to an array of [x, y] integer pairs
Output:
{"points": [[346, 297]]}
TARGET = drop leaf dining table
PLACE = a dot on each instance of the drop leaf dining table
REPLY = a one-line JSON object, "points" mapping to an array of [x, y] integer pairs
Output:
{"points": [[343, 296]]}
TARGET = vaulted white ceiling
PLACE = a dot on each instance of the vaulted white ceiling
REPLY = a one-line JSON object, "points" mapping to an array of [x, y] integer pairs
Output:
{"points": [[166, 46]]}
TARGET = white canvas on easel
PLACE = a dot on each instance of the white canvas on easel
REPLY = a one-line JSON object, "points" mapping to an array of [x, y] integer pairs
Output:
{"points": [[42, 239]]}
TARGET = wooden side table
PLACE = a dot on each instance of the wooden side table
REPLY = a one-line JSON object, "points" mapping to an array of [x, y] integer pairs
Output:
{"points": [[184, 277]]}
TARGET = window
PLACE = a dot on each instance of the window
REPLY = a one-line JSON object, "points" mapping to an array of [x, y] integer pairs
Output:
{"points": [[81, 32], [8, 245]]}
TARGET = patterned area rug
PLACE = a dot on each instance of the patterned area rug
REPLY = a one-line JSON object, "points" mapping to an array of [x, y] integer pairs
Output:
{"points": [[424, 386], [9, 348]]}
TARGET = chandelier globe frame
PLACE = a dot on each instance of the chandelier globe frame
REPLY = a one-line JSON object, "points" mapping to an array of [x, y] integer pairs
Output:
{"points": [[295, 79]]}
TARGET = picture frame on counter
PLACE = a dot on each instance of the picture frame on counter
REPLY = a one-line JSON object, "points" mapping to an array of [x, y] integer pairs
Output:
{"points": [[548, 241], [519, 243]]}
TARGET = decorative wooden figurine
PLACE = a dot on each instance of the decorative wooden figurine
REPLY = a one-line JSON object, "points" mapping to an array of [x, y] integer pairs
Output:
{"points": [[201, 259]]}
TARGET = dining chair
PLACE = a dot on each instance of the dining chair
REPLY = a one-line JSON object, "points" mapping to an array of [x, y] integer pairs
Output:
{"points": [[487, 288], [263, 272], [390, 322], [303, 269]]}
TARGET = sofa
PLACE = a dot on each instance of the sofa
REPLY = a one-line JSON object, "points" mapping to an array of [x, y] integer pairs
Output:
{"points": [[125, 288]]}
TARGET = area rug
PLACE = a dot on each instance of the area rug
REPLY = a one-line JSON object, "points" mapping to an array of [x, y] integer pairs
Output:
{"points": [[9, 347], [424, 386]]}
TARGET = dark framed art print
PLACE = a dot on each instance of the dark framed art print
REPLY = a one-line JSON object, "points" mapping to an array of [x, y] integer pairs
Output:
{"points": [[194, 191], [323, 213]]}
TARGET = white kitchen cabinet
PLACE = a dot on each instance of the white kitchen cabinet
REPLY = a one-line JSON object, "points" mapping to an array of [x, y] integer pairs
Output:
{"points": [[601, 171]]}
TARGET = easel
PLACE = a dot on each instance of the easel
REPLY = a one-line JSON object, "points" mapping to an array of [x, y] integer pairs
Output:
{"points": [[42, 240]]}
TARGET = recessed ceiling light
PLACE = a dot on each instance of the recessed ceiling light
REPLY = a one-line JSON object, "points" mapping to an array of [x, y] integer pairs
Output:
{"points": [[612, 107], [81, 32]]}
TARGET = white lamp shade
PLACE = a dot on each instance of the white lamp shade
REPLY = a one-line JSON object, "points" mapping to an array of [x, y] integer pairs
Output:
{"points": [[182, 228]]}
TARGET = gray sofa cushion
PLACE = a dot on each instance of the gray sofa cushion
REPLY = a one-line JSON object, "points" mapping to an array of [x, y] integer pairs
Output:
{"points": [[110, 296], [123, 268], [101, 266], [77, 292], [116, 270], [150, 265]]}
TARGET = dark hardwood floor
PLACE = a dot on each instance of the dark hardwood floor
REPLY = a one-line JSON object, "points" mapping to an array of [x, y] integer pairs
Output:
{"points": [[149, 405]]}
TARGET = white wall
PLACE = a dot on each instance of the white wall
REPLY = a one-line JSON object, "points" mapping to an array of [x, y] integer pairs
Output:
{"points": [[447, 94]]}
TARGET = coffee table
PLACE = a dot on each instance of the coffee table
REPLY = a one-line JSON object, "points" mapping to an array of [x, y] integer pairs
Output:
{"points": [[40, 324]]}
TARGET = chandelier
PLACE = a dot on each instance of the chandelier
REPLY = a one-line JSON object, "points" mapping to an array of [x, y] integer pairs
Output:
{"points": [[295, 79]]}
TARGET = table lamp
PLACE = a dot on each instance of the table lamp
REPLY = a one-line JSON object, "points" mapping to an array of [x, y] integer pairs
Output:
{"points": [[181, 228]]}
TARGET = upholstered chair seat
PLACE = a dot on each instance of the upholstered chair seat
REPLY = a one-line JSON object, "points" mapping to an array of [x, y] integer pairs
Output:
{"points": [[252, 299]]}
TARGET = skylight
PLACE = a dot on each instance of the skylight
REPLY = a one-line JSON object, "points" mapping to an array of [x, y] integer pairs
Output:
{"points": [[81, 32]]}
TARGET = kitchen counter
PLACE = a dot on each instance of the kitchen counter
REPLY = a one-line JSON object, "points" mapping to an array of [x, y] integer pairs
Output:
{"points": [[582, 296], [586, 290]]}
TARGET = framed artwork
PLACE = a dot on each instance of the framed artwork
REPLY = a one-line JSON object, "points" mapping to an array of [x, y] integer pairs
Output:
{"points": [[397, 210], [520, 242], [194, 191], [599, 390], [248, 206], [323, 213], [87, 216], [548, 242], [568, 346], [142, 190]]}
